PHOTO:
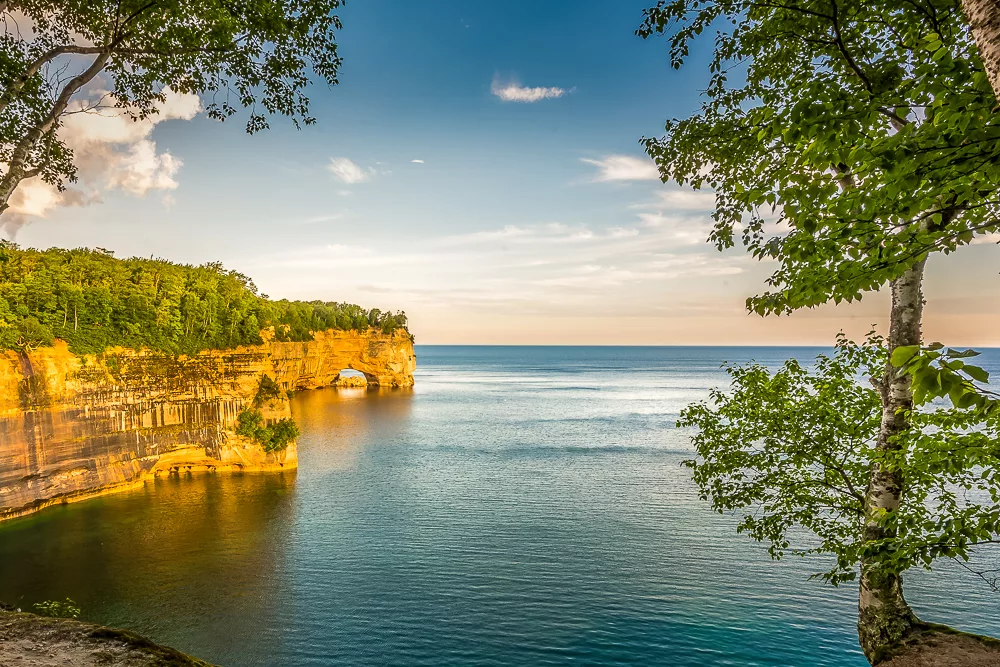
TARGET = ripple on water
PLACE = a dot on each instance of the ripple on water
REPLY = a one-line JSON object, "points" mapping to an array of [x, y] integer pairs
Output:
{"points": [[520, 506]]}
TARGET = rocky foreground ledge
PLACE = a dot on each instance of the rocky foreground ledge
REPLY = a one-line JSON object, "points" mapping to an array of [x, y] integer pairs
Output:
{"points": [[941, 646], [27, 640]]}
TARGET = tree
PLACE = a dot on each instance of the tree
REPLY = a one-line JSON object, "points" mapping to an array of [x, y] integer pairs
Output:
{"points": [[847, 141], [984, 21], [255, 54], [93, 301], [793, 448]]}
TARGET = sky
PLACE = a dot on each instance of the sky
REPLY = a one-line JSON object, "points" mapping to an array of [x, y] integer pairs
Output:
{"points": [[479, 167]]}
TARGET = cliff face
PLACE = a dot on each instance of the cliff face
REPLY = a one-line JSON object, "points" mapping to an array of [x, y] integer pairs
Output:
{"points": [[386, 361], [72, 427]]}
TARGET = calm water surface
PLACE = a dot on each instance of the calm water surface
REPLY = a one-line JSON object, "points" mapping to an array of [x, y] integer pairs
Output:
{"points": [[521, 506]]}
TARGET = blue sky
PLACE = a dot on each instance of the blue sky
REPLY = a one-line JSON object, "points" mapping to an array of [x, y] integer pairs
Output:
{"points": [[523, 221]]}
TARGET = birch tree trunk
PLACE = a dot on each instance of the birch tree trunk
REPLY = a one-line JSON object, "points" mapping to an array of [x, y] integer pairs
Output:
{"points": [[984, 19], [17, 167], [884, 618]]}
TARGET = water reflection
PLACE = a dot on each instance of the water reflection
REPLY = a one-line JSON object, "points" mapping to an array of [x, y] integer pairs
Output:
{"points": [[196, 561], [338, 424], [519, 507]]}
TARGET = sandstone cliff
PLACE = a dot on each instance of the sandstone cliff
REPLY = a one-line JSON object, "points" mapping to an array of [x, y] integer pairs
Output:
{"points": [[76, 426]]}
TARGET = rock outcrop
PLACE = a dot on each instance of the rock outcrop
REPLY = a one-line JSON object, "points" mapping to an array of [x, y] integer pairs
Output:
{"points": [[76, 426], [37, 641]]}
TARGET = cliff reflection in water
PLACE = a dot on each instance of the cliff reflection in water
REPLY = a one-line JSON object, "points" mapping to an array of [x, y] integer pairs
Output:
{"points": [[338, 424], [196, 561], [159, 560]]}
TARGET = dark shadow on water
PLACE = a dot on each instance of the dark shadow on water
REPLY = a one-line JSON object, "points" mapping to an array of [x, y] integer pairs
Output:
{"points": [[188, 560], [195, 561]]}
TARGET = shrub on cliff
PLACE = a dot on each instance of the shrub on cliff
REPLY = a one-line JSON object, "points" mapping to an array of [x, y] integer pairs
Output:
{"points": [[271, 438], [267, 390], [94, 301], [57, 609]]}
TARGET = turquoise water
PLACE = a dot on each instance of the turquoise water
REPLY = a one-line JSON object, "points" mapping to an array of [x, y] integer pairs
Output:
{"points": [[520, 506]]}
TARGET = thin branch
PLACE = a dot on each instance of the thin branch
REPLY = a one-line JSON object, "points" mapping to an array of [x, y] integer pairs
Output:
{"points": [[33, 68], [993, 583]]}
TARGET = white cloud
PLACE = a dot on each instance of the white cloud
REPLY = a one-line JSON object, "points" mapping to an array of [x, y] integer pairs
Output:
{"points": [[113, 126], [143, 169], [624, 168], [515, 92], [680, 200], [417, 161], [548, 268], [111, 151], [348, 171]]}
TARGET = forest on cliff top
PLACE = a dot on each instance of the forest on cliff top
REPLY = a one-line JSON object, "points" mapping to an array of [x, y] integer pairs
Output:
{"points": [[93, 300]]}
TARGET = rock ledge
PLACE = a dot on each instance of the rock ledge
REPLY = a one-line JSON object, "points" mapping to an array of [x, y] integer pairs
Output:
{"points": [[27, 640]]}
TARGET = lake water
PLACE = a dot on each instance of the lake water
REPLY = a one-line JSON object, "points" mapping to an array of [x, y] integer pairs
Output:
{"points": [[520, 506]]}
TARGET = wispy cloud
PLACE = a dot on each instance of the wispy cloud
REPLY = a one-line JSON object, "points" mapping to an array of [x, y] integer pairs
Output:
{"points": [[417, 161], [348, 171], [682, 216], [623, 168], [680, 200], [530, 266], [515, 92]]}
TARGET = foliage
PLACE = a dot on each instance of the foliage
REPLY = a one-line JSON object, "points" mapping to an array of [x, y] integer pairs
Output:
{"points": [[938, 372], [268, 390], [95, 301], [256, 54], [57, 609], [792, 449], [844, 139], [272, 438]]}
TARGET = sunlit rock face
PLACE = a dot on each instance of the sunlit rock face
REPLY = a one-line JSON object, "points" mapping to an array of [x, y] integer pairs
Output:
{"points": [[76, 426], [386, 360]]}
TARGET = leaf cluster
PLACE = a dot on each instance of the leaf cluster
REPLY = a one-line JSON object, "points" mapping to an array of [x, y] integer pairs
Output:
{"points": [[844, 139], [261, 55], [272, 437], [791, 449], [937, 372], [57, 609]]}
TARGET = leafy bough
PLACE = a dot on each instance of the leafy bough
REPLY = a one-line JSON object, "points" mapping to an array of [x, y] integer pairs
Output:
{"points": [[791, 449]]}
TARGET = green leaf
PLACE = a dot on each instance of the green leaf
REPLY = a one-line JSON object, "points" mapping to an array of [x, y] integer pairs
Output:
{"points": [[977, 373], [903, 354]]}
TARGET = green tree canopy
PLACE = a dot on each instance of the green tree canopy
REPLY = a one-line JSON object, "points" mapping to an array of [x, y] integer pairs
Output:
{"points": [[844, 139], [95, 301], [793, 448]]}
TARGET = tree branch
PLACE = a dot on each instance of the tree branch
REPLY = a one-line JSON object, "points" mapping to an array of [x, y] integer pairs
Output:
{"points": [[15, 166], [33, 68]]}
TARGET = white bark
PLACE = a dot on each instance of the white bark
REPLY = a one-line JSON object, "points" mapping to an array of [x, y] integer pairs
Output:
{"points": [[17, 168], [984, 20], [884, 618]]}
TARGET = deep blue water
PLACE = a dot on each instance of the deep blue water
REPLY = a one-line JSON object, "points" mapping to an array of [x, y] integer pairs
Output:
{"points": [[521, 506]]}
